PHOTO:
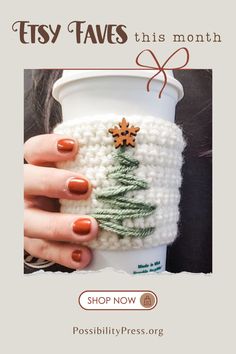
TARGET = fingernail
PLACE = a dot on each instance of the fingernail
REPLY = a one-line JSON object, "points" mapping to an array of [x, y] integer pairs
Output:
{"points": [[82, 226], [78, 186], [65, 145], [76, 255]]}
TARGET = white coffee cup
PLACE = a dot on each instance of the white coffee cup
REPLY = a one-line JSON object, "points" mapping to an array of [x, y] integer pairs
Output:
{"points": [[123, 92]]}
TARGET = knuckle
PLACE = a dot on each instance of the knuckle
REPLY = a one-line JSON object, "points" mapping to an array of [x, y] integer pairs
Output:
{"points": [[27, 149], [48, 181], [61, 258], [42, 249], [37, 248], [53, 228], [44, 186]]}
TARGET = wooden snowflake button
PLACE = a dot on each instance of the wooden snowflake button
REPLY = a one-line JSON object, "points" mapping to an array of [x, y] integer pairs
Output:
{"points": [[124, 135]]}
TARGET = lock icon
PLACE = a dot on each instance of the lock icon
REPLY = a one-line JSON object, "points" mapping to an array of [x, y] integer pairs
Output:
{"points": [[147, 301]]}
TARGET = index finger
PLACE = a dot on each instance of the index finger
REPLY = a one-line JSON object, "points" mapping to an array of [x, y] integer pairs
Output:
{"points": [[45, 148]]}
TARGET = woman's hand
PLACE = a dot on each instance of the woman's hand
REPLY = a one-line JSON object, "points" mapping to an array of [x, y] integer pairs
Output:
{"points": [[49, 234]]}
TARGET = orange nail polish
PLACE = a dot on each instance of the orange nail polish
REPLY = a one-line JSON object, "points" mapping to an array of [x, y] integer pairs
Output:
{"points": [[82, 226], [76, 255], [65, 145], [78, 186]]}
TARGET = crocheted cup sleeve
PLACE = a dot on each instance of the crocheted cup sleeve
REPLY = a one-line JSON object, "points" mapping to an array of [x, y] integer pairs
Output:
{"points": [[135, 193]]}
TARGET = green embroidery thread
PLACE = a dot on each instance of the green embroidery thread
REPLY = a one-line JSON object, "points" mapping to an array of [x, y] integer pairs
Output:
{"points": [[121, 207]]}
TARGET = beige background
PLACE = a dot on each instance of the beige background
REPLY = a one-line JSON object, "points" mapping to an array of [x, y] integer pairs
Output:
{"points": [[40, 310]]}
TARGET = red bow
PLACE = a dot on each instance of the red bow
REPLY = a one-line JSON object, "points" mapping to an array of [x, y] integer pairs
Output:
{"points": [[161, 68]]}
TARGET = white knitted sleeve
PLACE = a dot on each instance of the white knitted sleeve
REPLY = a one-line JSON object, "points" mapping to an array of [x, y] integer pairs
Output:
{"points": [[159, 147]]}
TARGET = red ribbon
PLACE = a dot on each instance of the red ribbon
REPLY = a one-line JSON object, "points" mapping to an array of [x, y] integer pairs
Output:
{"points": [[161, 68]]}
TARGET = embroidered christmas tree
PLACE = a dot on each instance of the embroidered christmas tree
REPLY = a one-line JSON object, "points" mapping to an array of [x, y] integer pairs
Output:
{"points": [[119, 207]]}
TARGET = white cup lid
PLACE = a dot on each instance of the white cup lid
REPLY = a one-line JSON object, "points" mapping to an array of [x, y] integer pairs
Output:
{"points": [[70, 75]]}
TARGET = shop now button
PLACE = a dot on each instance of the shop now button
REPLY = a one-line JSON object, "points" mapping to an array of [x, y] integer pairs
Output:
{"points": [[118, 300]]}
